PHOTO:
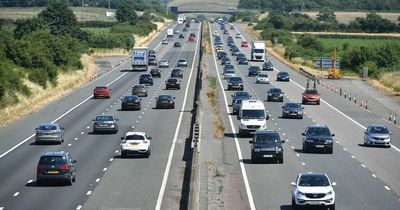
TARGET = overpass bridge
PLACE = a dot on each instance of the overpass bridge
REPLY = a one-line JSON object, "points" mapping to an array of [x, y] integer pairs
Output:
{"points": [[183, 10]]}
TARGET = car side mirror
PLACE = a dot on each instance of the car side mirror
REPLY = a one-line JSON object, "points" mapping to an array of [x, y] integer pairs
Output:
{"points": [[150, 138], [36, 128], [293, 183], [333, 134], [116, 119], [283, 141], [231, 95], [333, 183], [283, 92], [267, 117], [74, 161], [302, 107], [390, 133], [62, 128], [283, 107], [156, 97], [122, 138], [93, 120], [303, 134], [250, 142], [173, 97], [366, 132]]}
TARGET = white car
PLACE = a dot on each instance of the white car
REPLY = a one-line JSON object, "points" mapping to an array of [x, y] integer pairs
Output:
{"points": [[239, 36], [182, 62], [164, 41], [262, 78], [215, 33], [228, 74], [135, 143], [163, 63], [313, 189]]}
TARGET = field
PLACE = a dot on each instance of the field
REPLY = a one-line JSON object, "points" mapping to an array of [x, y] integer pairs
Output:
{"points": [[88, 13], [338, 43], [196, 4], [346, 17]]}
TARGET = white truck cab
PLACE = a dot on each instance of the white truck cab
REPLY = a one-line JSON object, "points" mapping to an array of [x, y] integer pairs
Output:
{"points": [[252, 117]]}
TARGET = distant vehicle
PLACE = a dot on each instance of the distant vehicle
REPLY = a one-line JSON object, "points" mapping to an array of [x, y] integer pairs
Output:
{"points": [[318, 137], [181, 36], [146, 79], [221, 54], [240, 95], [266, 145], [49, 133], [177, 73], [267, 66], [152, 60], [215, 33], [182, 62], [163, 63], [253, 70], [165, 101], [313, 189], [101, 92], [240, 55], [311, 95], [181, 19], [238, 36], [283, 76], [105, 123], [235, 51], [377, 135], [156, 72], [56, 166], [131, 102], [176, 31], [173, 83], [292, 110], [187, 25], [243, 60], [177, 44], [226, 32], [139, 90], [139, 59], [232, 27], [170, 32], [229, 73], [185, 29], [135, 143], [164, 41], [252, 117], [262, 78], [228, 67], [244, 44], [235, 83], [225, 60], [193, 34], [275, 94], [191, 38], [257, 51]]}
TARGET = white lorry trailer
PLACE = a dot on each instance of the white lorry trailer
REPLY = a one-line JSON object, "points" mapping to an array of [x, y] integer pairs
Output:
{"points": [[139, 59], [257, 51], [170, 32]]}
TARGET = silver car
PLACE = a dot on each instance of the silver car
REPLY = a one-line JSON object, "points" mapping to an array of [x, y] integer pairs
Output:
{"points": [[377, 134], [262, 78], [139, 90], [163, 63], [49, 132], [182, 62], [105, 123]]}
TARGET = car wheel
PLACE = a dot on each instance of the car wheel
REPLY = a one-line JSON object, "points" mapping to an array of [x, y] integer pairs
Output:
{"points": [[147, 153], [332, 207], [318, 102], [280, 160], [303, 101], [305, 150], [283, 115], [74, 179], [241, 89], [123, 154], [39, 182], [69, 181], [294, 205], [388, 146], [330, 151], [94, 131], [301, 117]]}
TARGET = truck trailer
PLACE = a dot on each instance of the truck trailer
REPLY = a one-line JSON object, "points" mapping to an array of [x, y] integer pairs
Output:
{"points": [[257, 51], [139, 59]]}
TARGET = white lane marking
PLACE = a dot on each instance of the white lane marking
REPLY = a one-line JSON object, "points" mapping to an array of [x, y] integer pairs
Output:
{"points": [[373, 175], [353, 157], [171, 152], [104, 169], [89, 192], [337, 142], [297, 155], [82, 133], [387, 188], [29, 181], [239, 152], [292, 147], [75, 139], [98, 180], [107, 110], [116, 151], [79, 207], [1, 208], [363, 166], [133, 126], [111, 159], [283, 134], [303, 163], [16, 194], [87, 127], [344, 148], [69, 145]]}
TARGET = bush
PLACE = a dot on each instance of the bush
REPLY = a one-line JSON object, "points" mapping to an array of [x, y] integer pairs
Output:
{"points": [[112, 40], [96, 24]]}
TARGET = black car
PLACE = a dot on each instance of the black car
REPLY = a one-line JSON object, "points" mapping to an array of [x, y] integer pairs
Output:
{"points": [[243, 60], [267, 66], [240, 95], [156, 72], [240, 55], [221, 54], [318, 137], [254, 70], [131, 102], [266, 145], [173, 83], [225, 60], [228, 67], [275, 94], [292, 110], [283, 76], [152, 53], [177, 73], [177, 44], [236, 106], [146, 79], [235, 51], [181, 36], [152, 61], [56, 166], [226, 32], [165, 101], [235, 83]]}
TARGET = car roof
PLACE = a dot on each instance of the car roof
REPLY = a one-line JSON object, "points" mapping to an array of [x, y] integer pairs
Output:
{"points": [[101, 87], [265, 131], [62, 153], [313, 174], [135, 133], [252, 104], [44, 124], [377, 125], [317, 126], [165, 95], [107, 115]]}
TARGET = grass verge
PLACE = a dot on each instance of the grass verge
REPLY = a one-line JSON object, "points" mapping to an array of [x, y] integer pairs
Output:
{"points": [[212, 95]]}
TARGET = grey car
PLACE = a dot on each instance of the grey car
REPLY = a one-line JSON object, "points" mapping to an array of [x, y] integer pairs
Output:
{"points": [[56, 166], [139, 90], [105, 123], [292, 110], [49, 133], [377, 134], [182, 62], [163, 63]]}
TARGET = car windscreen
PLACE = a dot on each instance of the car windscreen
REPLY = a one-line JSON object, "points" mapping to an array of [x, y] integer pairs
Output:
{"points": [[164, 97], [319, 131], [275, 90], [379, 129], [134, 137], [235, 79], [104, 118], [172, 80], [253, 114], [313, 181], [283, 73], [52, 160], [237, 94], [293, 105], [47, 127], [267, 138], [130, 98], [311, 92], [258, 50]]}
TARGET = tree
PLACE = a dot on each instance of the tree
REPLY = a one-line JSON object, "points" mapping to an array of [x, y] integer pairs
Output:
{"points": [[326, 14], [126, 13], [61, 20], [28, 26]]}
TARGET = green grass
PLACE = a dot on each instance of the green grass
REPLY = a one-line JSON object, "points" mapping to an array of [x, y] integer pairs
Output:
{"points": [[338, 43], [97, 30], [89, 13]]}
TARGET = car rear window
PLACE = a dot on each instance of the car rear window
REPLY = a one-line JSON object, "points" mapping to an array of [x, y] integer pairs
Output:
{"points": [[104, 118], [134, 137], [319, 131], [311, 92], [47, 127], [52, 160], [163, 97], [101, 88]]}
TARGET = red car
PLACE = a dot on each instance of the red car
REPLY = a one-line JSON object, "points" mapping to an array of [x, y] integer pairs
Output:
{"points": [[101, 91], [244, 44], [311, 95], [191, 38]]}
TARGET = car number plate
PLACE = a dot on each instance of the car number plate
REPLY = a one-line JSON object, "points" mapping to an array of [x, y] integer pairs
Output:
{"points": [[52, 172], [319, 146], [315, 202], [267, 155], [134, 144], [275, 97], [293, 114]]}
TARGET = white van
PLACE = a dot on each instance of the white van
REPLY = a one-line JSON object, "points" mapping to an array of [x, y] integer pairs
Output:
{"points": [[252, 117]]}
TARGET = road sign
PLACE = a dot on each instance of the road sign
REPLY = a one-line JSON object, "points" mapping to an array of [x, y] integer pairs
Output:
{"points": [[326, 62]]}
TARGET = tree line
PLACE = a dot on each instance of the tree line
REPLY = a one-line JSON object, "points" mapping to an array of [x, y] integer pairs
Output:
{"points": [[301, 5]]}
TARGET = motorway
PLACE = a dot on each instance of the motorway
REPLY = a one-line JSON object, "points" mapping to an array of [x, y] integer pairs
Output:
{"points": [[142, 179], [368, 178]]}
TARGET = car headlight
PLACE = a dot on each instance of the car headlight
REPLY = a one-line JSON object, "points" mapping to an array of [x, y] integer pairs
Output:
{"points": [[285, 111], [281, 95], [112, 125], [300, 112], [257, 150], [329, 193], [243, 125], [300, 193], [328, 141], [269, 94], [229, 83], [309, 140], [263, 126], [278, 149]]}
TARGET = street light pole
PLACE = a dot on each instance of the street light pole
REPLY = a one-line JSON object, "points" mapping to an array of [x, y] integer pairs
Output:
{"points": [[82, 12]]}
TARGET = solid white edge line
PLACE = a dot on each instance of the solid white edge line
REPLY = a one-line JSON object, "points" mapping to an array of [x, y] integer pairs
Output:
{"points": [[16, 194], [239, 152], [171, 152], [79, 207]]}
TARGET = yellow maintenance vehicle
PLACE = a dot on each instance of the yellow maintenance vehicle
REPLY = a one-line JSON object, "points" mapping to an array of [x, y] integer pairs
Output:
{"points": [[334, 73]]}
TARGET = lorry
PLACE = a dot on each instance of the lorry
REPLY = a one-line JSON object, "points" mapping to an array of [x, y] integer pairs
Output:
{"points": [[139, 59], [170, 32], [257, 50], [181, 19]]}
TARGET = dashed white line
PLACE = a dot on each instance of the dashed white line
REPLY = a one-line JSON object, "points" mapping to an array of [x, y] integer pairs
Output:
{"points": [[78, 207], [373, 175], [133, 126], [297, 155], [107, 110], [103, 113], [29, 181], [140, 117], [137, 121], [87, 127], [1, 208], [303, 163], [284, 134], [98, 180], [292, 147], [344, 148], [82, 133], [111, 159], [337, 142], [69, 145], [89, 192], [16, 194], [353, 156], [387, 188], [116, 151], [104, 169], [363, 166], [75, 139]]}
